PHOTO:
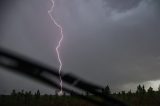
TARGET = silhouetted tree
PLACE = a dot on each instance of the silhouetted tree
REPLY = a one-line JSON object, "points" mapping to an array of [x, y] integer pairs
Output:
{"points": [[129, 93], [140, 90], [150, 91], [107, 90], [28, 96], [13, 93], [143, 90], [37, 94], [123, 93]]}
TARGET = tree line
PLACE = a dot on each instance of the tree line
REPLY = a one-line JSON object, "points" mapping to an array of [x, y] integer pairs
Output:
{"points": [[140, 97], [106, 91]]}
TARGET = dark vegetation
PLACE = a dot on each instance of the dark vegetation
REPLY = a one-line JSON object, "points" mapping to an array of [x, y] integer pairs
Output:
{"points": [[141, 97]]}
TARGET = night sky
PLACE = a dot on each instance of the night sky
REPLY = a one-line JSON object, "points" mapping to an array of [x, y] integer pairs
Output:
{"points": [[115, 42]]}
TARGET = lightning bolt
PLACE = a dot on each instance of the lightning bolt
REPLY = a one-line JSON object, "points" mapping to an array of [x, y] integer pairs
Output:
{"points": [[58, 46]]}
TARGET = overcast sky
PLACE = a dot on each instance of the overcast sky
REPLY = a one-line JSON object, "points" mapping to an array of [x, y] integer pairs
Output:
{"points": [[115, 42]]}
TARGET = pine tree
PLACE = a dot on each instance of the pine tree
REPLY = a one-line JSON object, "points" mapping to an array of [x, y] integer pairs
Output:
{"points": [[37, 94], [143, 90], [107, 90], [140, 90], [150, 91]]}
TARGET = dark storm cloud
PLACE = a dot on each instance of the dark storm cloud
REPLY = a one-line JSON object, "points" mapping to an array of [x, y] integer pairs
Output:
{"points": [[3, 5], [118, 48], [24, 31], [122, 5], [116, 42]]}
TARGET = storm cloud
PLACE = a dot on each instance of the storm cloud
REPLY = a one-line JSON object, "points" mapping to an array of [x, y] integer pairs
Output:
{"points": [[106, 41]]}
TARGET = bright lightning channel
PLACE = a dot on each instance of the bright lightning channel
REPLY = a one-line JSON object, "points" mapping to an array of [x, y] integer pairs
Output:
{"points": [[58, 46]]}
